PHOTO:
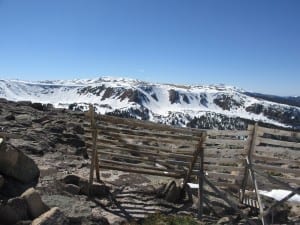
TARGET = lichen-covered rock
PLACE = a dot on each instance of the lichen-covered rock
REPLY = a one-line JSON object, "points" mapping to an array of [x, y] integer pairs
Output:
{"points": [[36, 206], [15, 164]]}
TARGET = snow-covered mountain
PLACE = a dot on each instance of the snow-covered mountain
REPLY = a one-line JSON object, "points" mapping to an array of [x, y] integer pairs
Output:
{"points": [[212, 106]]}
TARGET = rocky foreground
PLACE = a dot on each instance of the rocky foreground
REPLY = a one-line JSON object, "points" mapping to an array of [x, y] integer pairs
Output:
{"points": [[44, 167]]}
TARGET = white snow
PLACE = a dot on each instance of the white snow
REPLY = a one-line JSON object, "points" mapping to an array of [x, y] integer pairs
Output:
{"points": [[279, 194], [61, 93]]}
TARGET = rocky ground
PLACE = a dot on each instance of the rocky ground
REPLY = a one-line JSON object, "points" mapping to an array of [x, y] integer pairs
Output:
{"points": [[44, 148]]}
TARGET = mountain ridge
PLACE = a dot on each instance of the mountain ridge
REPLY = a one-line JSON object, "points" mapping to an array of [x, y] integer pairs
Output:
{"points": [[208, 106]]}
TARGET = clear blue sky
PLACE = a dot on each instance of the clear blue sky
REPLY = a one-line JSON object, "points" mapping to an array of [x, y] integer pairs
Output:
{"points": [[252, 44]]}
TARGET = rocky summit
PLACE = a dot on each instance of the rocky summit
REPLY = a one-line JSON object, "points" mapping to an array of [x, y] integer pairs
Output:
{"points": [[44, 170], [210, 106]]}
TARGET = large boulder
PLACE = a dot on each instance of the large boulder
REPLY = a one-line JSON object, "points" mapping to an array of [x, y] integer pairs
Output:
{"points": [[53, 216], [14, 211], [15, 164], [36, 206]]}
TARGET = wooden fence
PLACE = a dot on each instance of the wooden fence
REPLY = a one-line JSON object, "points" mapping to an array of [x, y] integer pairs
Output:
{"points": [[143, 147], [240, 160]]}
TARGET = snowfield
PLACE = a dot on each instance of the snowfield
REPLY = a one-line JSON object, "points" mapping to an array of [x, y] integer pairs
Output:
{"points": [[161, 100]]}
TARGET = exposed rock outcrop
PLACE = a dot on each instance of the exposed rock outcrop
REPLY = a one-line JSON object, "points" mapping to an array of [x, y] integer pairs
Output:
{"points": [[53, 216], [18, 170], [36, 206]]}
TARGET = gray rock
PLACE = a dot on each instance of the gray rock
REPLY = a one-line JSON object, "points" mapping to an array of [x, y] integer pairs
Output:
{"points": [[20, 206], [24, 119], [53, 216], [224, 220], [75, 209], [172, 192], [14, 211], [72, 189], [13, 187], [101, 220], [37, 148], [15, 164], [99, 190], [8, 215], [36, 206]]}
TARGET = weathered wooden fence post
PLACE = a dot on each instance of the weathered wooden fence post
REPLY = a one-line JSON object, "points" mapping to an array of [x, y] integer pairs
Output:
{"points": [[201, 178], [94, 159], [250, 172]]}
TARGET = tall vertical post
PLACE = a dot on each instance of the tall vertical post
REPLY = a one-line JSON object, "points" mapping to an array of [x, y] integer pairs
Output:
{"points": [[94, 160], [201, 176], [201, 179]]}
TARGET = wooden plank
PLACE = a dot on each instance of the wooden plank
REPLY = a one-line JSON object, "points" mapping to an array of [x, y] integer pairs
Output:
{"points": [[141, 149], [279, 132], [273, 160], [108, 143], [226, 142], [214, 150], [141, 166], [250, 202], [226, 184], [223, 168], [270, 150], [228, 133], [278, 142], [172, 163], [291, 180], [221, 161], [223, 176], [145, 152], [250, 127], [141, 171], [277, 169], [147, 133], [168, 163], [122, 136], [147, 125]]}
